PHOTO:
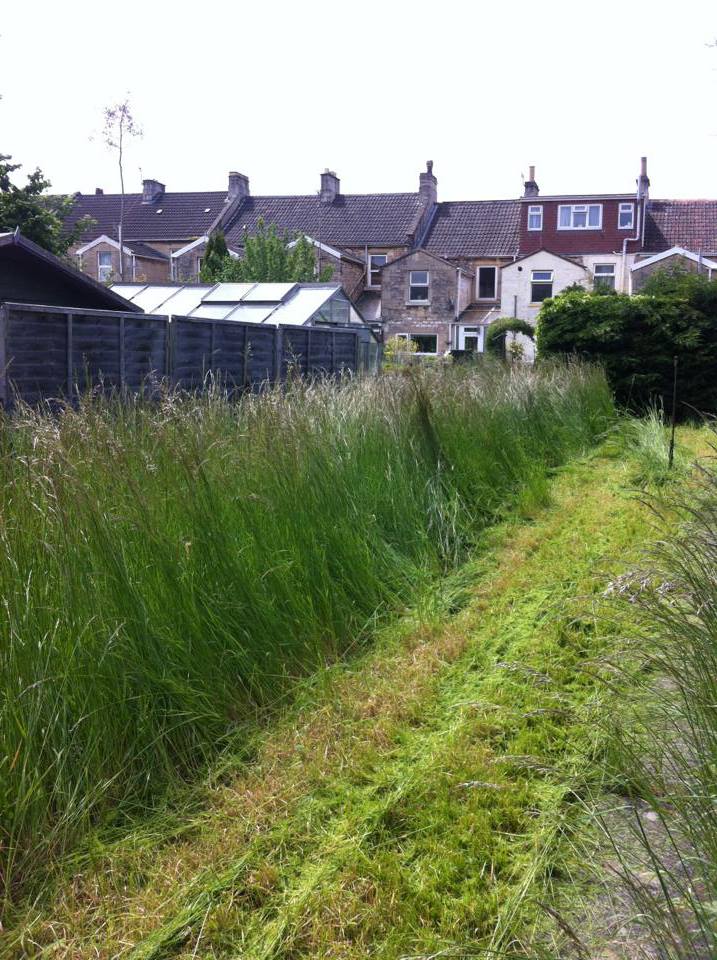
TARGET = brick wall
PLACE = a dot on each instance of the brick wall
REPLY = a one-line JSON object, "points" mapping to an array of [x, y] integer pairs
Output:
{"points": [[435, 317], [607, 239]]}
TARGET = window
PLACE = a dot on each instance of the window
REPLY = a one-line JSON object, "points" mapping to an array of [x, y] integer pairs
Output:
{"points": [[104, 265], [541, 285], [418, 287], [580, 216], [487, 280], [375, 262], [626, 216], [471, 339], [426, 342], [604, 276], [535, 218]]}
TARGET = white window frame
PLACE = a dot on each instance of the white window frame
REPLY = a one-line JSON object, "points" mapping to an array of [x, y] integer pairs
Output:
{"points": [[550, 282], [535, 210], [372, 270], [597, 276], [626, 208], [412, 336], [580, 208], [495, 282], [427, 285], [477, 330], [104, 270]]}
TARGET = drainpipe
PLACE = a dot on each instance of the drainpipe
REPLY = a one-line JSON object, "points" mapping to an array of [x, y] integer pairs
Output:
{"points": [[632, 240]]}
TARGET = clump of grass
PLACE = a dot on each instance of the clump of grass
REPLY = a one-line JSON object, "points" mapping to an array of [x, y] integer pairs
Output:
{"points": [[169, 568], [664, 753], [648, 439]]}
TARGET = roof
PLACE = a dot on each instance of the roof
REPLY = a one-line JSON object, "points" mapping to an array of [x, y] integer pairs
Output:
{"points": [[433, 256], [475, 228], [551, 253], [380, 219], [175, 216], [131, 247], [675, 252], [681, 223], [31, 274], [272, 303]]}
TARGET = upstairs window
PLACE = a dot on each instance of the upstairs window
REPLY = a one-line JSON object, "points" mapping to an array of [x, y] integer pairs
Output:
{"points": [[541, 285], [579, 216], [375, 262], [487, 283], [535, 218], [626, 216], [604, 276], [418, 283], [104, 265]]}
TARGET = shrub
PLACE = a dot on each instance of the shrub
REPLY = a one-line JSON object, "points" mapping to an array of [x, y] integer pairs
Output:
{"points": [[497, 331], [636, 338]]}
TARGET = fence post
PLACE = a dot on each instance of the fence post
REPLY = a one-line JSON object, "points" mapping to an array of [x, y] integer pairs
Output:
{"points": [[671, 455], [333, 353], [278, 352], [121, 352], [3, 354], [245, 366], [69, 370], [356, 352], [308, 351]]}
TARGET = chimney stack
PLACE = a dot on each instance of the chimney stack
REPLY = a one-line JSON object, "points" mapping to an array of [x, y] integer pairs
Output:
{"points": [[99, 191], [530, 187], [152, 191], [428, 186], [238, 186], [643, 183], [330, 186]]}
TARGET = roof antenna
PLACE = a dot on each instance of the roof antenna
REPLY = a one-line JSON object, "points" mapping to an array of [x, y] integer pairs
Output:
{"points": [[141, 178]]}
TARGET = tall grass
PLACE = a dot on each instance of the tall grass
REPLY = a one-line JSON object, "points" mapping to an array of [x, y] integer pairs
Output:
{"points": [[664, 753], [167, 569]]}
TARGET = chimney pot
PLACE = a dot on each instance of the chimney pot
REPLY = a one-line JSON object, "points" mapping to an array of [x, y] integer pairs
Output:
{"points": [[98, 191], [530, 187], [238, 187], [152, 191], [330, 186], [428, 186], [643, 183]]}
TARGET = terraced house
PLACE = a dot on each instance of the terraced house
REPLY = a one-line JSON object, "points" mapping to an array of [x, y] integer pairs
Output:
{"points": [[437, 272]]}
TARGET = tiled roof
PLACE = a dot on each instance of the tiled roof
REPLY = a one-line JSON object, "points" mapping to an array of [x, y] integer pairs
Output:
{"points": [[475, 228], [681, 223], [351, 220], [183, 215], [144, 250]]}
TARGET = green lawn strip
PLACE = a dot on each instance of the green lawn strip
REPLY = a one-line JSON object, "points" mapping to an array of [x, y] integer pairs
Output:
{"points": [[386, 851]]}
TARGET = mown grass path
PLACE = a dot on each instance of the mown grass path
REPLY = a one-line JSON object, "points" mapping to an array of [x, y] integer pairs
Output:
{"points": [[415, 800]]}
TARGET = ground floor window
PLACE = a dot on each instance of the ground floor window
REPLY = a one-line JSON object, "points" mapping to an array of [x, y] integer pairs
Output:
{"points": [[471, 339], [604, 276], [425, 342], [541, 285]]}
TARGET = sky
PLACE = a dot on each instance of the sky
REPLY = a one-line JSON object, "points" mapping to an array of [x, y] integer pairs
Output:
{"points": [[282, 90]]}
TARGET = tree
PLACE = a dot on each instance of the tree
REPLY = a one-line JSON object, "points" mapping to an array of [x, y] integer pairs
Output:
{"points": [[269, 257], [215, 254], [636, 338], [119, 124], [39, 216]]}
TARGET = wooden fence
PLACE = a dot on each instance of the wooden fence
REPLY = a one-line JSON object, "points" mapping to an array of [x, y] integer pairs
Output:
{"points": [[56, 351]]}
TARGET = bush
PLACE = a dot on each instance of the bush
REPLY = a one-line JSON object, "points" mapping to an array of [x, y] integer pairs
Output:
{"points": [[635, 339], [498, 330]]}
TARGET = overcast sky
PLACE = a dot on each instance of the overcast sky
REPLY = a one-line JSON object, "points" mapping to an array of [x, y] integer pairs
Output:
{"points": [[280, 90]]}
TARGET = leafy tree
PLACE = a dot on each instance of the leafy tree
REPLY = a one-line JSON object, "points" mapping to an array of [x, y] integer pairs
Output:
{"points": [[39, 216], [215, 254], [268, 258], [119, 124], [636, 338]]}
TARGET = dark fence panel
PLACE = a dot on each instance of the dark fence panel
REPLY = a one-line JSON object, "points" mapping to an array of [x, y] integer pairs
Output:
{"points": [[54, 351]]}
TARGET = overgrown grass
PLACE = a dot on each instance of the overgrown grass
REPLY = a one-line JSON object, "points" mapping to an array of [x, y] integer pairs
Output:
{"points": [[167, 570], [664, 755]]}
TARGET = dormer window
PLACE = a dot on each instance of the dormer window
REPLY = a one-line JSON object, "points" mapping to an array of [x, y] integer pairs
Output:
{"points": [[375, 262], [535, 217], [580, 216], [626, 216], [418, 284]]}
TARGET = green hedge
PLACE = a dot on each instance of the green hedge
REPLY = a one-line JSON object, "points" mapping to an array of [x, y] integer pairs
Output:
{"points": [[635, 339]]}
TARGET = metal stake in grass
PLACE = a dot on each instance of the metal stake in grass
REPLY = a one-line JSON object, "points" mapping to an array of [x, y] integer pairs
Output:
{"points": [[671, 455]]}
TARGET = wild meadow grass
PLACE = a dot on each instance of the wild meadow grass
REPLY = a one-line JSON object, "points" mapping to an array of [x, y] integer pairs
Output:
{"points": [[168, 568], [664, 741]]}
